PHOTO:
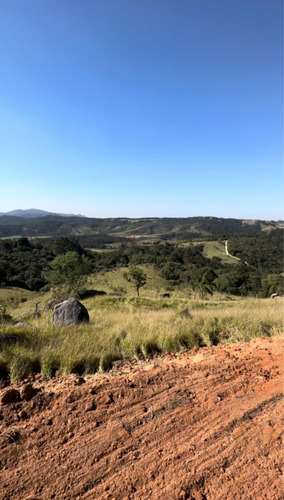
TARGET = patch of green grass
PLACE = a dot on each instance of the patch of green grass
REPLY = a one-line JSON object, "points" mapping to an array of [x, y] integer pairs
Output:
{"points": [[24, 362], [217, 249], [50, 363], [113, 280]]}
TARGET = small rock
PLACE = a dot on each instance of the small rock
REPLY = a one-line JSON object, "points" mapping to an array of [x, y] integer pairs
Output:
{"points": [[71, 398], [91, 406], [107, 399], [28, 392], [32, 497], [23, 415], [12, 436], [10, 396]]}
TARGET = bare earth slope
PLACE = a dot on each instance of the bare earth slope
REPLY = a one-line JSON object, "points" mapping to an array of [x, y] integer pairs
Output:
{"points": [[205, 424]]}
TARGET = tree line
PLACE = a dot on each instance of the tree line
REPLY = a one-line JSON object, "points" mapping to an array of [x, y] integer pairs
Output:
{"points": [[32, 264]]}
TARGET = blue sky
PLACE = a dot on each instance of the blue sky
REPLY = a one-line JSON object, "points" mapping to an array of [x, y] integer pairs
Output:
{"points": [[142, 107]]}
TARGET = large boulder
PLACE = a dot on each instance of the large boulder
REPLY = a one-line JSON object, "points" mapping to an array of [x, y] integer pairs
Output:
{"points": [[70, 312]]}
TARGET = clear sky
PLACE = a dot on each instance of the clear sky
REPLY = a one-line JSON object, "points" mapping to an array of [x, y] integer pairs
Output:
{"points": [[142, 107]]}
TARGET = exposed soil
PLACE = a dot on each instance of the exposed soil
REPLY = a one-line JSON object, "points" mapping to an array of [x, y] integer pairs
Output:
{"points": [[204, 424]]}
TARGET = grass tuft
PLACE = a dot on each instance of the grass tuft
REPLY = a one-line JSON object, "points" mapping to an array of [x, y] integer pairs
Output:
{"points": [[23, 364]]}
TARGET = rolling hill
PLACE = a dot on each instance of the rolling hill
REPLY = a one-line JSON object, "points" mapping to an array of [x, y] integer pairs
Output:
{"points": [[188, 228]]}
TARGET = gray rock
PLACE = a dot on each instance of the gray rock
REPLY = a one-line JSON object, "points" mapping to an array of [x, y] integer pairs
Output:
{"points": [[70, 312], [22, 324]]}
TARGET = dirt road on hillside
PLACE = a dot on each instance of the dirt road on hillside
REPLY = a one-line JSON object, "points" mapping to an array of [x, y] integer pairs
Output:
{"points": [[233, 256], [205, 424]]}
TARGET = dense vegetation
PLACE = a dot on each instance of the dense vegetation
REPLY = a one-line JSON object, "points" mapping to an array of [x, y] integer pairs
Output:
{"points": [[264, 251], [24, 263]]}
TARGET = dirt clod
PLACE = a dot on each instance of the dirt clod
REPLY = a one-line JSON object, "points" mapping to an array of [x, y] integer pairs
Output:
{"points": [[91, 406], [23, 415], [106, 400], [79, 381], [28, 392], [11, 436], [10, 396]]}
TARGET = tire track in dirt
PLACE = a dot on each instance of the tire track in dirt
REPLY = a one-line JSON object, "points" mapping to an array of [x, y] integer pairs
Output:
{"points": [[204, 424]]}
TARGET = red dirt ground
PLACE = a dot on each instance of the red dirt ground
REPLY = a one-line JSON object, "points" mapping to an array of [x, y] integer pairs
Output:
{"points": [[204, 424]]}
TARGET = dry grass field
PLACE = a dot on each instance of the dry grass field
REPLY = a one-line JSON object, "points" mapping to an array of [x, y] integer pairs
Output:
{"points": [[128, 327]]}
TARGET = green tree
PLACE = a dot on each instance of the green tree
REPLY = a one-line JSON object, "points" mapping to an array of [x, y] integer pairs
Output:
{"points": [[205, 284], [136, 276], [272, 283], [67, 274]]}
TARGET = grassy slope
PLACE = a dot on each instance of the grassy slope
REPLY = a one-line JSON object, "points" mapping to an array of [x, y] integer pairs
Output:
{"points": [[53, 225], [113, 281], [217, 249], [126, 327]]}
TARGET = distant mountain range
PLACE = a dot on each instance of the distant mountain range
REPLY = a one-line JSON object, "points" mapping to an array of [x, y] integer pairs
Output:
{"points": [[34, 212], [38, 223]]}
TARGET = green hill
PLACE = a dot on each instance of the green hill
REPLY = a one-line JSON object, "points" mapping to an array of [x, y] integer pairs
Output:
{"points": [[188, 228]]}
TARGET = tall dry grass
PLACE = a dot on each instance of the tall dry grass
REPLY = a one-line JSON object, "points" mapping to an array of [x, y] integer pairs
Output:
{"points": [[122, 328]]}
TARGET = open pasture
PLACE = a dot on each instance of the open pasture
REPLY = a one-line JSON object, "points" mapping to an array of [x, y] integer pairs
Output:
{"points": [[130, 327]]}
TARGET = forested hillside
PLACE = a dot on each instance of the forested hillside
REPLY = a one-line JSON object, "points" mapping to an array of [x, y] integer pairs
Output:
{"points": [[178, 228], [263, 251]]}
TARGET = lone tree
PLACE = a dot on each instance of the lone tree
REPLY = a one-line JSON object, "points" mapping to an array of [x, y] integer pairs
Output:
{"points": [[67, 274], [205, 284], [136, 276]]}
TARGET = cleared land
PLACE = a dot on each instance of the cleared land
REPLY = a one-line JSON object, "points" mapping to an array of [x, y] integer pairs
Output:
{"points": [[217, 249], [204, 424]]}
